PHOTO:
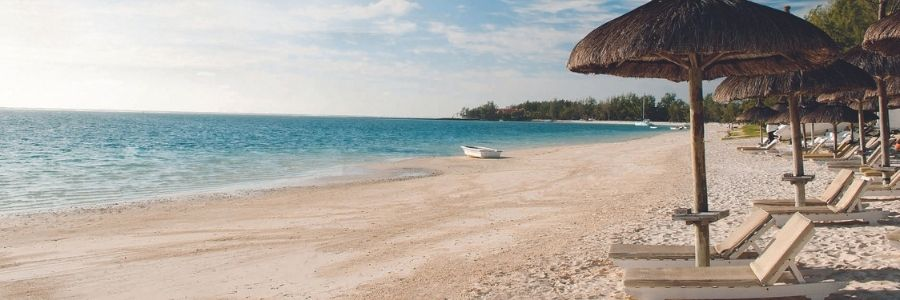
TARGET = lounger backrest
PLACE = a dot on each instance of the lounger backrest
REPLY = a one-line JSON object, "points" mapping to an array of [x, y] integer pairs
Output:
{"points": [[871, 143], [894, 180], [784, 248], [874, 157], [849, 151], [743, 234], [850, 198], [837, 185]]}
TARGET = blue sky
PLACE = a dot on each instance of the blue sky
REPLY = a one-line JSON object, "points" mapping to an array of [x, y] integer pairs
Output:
{"points": [[375, 58]]}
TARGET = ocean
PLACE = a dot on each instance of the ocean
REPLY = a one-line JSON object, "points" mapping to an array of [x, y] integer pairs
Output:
{"points": [[68, 159]]}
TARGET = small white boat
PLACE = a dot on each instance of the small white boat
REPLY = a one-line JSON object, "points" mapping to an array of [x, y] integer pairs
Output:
{"points": [[645, 122], [480, 152]]}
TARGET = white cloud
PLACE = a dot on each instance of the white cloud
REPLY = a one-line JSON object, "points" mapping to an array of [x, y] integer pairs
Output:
{"points": [[533, 42], [556, 6], [382, 8], [270, 57], [396, 27]]}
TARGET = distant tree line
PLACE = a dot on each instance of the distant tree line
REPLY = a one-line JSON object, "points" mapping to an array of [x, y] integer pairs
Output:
{"points": [[844, 20], [624, 107]]}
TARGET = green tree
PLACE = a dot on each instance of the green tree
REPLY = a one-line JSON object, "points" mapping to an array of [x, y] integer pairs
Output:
{"points": [[846, 20]]}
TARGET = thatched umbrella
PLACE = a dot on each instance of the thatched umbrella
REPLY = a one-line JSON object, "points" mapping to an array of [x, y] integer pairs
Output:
{"points": [[863, 108], [835, 77], [689, 40], [884, 36], [865, 101], [782, 117], [759, 114], [833, 113], [880, 68]]}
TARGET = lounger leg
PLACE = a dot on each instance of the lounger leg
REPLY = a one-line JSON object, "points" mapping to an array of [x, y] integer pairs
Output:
{"points": [[796, 272]]}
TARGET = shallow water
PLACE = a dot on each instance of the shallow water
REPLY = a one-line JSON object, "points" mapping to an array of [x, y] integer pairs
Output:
{"points": [[63, 159]]}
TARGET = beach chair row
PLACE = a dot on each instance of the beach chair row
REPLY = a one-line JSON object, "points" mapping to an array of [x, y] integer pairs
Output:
{"points": [[742, 266]]}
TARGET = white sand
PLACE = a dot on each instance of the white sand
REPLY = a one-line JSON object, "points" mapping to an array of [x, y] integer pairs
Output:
{"points": [[536, 225]]}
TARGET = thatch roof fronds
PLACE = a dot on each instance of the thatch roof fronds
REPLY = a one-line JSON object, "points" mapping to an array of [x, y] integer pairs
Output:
{"points": [[781, 105], [884, 36], [784, 117], [837, 76], [735, 37], [781, 118], [756, 114], [873, 105], [892, 86], [832, 113], [854, 96], [873, 63]]}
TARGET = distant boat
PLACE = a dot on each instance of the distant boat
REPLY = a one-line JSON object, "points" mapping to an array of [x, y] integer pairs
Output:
{"points": [[481, 152], [645, 122], [681, 127]]}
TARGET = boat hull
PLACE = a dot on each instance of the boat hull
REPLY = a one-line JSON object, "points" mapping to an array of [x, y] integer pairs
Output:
{"points": [[480, 152]]}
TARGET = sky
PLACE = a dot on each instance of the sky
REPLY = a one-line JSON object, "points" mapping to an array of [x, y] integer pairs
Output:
{"points": [[392, 58]]}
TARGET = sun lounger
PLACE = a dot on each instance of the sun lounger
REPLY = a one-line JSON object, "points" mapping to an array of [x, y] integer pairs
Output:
{"points": [[831, 193], [872, 160], [843, 154], [759, 148], [883, 192], [843, 151], [740, 247], [773, 274], [893, 238], [895, 178], [848, 208]]}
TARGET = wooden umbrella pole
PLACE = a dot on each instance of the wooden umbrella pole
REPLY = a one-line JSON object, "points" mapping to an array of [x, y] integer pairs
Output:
{"points": [[812, 135], [761, 130], [794, 111], [834, 136], [698, 151], [862, 135], [885, 129], [804, 130], [883, 110]]}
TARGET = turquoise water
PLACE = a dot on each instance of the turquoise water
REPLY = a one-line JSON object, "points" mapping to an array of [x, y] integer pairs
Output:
{"points": [[64, 159]]}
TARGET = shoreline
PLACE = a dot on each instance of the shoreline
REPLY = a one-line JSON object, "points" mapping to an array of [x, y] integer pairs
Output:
{"points": [[373, 170], [535, 225], [348, 237]]}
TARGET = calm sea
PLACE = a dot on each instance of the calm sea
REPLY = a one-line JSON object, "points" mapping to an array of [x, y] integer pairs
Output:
{"points": [[64, 159]]}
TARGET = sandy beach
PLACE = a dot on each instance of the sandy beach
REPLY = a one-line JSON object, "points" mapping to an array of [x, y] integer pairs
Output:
{"points": [[537, 224]]}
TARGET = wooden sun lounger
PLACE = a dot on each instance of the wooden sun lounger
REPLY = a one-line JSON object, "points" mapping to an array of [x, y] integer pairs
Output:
{"points": [[773, 274], [768, 146], [844, 150], [848, 208], [895, 178], [872, 160], [842, 155], [831, 193], [740, 247]]}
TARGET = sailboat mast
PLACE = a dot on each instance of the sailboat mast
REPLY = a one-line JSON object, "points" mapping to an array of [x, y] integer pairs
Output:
{"points": [[643, 104]]}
